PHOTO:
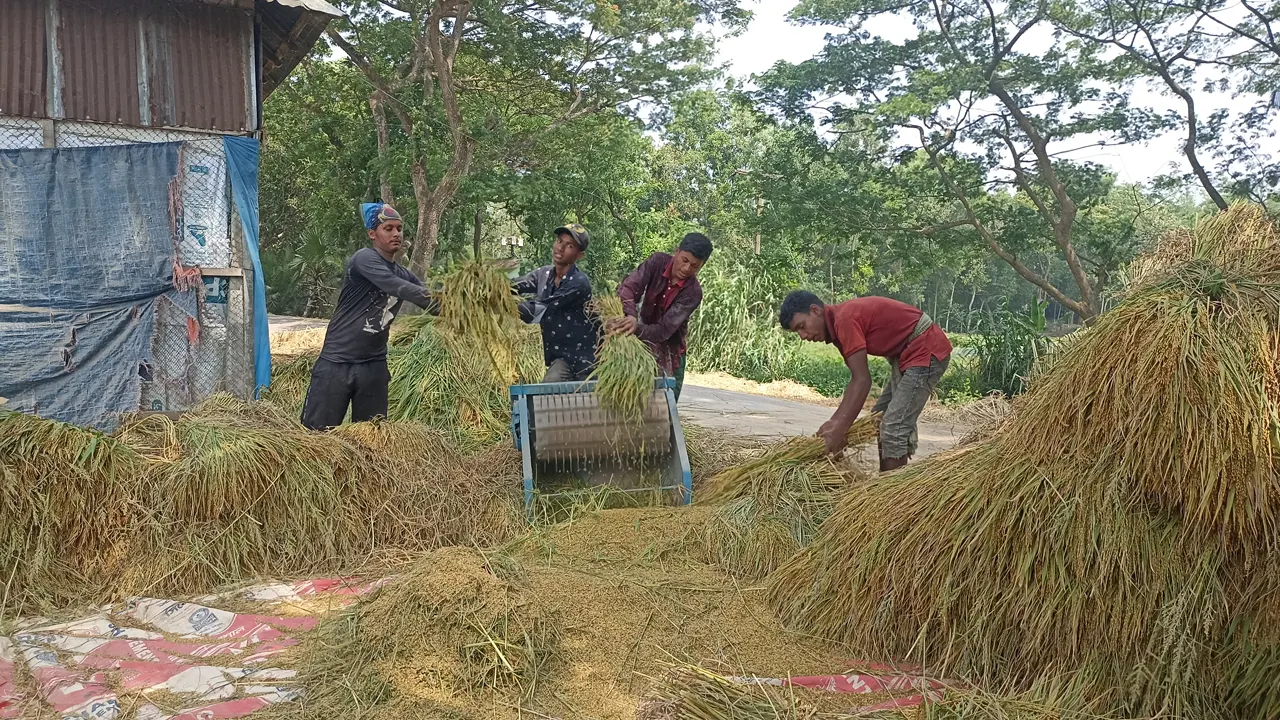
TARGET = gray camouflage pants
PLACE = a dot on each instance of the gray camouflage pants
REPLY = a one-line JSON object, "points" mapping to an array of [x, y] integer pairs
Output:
{"points": [[901, 402]]}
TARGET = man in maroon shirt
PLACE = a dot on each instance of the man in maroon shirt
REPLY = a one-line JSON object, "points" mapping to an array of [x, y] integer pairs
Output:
{"points": [[659, 297], [918, 352]]}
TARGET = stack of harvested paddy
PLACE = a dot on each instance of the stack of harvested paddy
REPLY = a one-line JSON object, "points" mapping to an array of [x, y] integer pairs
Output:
{"points": [[418, 492], [67, 509], [1117, 533], [768, 508], [238, 490], [478, 305], [438, 378], [449, 381], [289, 383], [449, 636], [626, 369]]}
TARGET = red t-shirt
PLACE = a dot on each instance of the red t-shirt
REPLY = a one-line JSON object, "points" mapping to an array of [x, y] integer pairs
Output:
{"points": [[881, 326]]}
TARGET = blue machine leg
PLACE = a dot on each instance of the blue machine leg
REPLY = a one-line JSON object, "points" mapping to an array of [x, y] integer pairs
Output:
{"points": [[681, 454], [520, 408]]}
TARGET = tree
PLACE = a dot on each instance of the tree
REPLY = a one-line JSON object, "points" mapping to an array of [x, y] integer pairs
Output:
{"points": [[460, 75], [991, 97]]}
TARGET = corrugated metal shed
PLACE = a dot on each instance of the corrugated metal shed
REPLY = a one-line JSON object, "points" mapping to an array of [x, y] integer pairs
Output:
{"points": [[23, 76], [198, 67], [99, 43], [152, 63]]}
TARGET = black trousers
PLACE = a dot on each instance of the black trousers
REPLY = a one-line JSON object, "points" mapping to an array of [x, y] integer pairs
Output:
{"points": [[334, 386]]}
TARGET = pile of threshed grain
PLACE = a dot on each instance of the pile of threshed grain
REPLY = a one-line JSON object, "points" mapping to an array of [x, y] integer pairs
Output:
{"points": [[1111, 546], [767, 508], [230, 491], [624, 594]]}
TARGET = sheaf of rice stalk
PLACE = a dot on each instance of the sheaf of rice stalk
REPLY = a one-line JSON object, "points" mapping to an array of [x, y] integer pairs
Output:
{"points": [[476, 303], [1119, 529], [770, 507], [448, 381], [625, 368], [454, 627], [67, 511]]}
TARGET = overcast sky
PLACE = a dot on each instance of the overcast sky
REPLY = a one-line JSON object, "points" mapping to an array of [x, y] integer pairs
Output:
{"points": [[771, 38]]}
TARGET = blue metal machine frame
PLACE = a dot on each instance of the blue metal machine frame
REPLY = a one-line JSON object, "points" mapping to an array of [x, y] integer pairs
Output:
{"points": [[522, 429]]}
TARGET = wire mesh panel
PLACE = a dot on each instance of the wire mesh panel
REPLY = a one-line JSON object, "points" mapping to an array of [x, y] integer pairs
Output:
{"points": [[20, 134], [192, 363]]}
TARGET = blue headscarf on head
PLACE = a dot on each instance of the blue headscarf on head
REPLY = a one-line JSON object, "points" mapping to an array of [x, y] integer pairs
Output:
{"points": [[377, 213]]}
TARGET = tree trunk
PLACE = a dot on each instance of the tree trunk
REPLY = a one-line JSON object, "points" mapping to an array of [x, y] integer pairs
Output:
{"points": [[384, 143], [429, 213], [475, 237], [425, 240]]}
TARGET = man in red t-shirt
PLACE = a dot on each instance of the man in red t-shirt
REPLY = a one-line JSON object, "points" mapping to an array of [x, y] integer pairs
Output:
{"points": [[918, 352]]}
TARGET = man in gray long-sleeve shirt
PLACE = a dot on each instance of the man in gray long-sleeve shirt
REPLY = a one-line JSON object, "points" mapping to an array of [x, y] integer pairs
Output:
{"points": [[352, 369]]}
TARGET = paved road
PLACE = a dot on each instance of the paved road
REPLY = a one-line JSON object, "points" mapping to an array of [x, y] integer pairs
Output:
{"points": [[770, 418], [285, 323]]}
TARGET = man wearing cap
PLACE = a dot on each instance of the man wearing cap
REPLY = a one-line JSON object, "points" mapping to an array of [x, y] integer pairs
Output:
{"points": [[917, 349], [559, 295], [658, 299], [352, 369]]}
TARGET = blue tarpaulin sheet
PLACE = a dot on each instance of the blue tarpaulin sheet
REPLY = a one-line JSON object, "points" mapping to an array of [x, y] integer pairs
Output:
{"points": [[242, 167], [86, 252]]}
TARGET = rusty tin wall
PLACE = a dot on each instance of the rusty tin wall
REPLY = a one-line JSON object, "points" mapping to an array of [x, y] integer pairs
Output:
{"points": [[156, 63], [23, 79], [198, 62], [98, 40]]}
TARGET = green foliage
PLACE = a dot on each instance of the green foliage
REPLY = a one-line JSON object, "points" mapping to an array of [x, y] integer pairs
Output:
{"points": [[1008, 346]]}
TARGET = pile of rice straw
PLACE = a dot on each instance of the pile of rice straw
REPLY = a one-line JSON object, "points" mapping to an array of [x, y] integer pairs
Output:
{"points": [[768, 508], [690, 692], [586, 614], [1113, 543], [232, 490], [66, 498], [452, 629]]}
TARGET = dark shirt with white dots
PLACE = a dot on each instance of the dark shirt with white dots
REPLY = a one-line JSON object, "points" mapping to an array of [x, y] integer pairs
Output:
{"points": [[569, 331]]}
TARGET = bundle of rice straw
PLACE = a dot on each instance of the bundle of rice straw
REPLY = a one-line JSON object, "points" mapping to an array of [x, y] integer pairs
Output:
{"points": [[67, 506], [1117, 532], [238, 490], [477, 303], [983, 417], [625, 370], [770, 507], [448, 381], [451, 631]]}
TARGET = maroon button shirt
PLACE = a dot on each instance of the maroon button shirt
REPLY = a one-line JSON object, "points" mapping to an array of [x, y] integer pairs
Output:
{"points": [[662, 307]]}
